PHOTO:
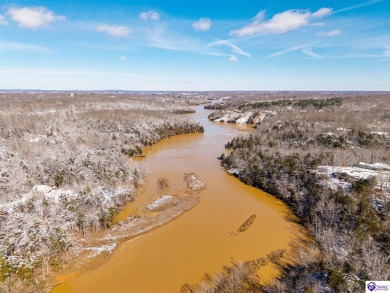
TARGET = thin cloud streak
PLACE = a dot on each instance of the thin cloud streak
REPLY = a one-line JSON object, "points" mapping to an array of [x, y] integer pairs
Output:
{"points": [[160, 38], [172, 46], [234, 48], [309, 52], [369, 56], [331, 33], [9, 46], [372, 2], [282, 52]]}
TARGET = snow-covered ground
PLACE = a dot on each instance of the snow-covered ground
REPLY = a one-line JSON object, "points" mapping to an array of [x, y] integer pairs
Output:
{"points": [[375, 166], [193, 182], [245, 118], [54, 194], [355, 173], [240, 117], [161, 202], [100, 249]]}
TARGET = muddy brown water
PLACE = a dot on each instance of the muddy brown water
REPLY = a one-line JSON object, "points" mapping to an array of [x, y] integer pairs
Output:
{"points": [[199, 241]]}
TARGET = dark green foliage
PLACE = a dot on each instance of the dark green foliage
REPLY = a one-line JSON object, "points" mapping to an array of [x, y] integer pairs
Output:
{"points": [[107, 218], [4, 269], [132, 151], [266, 104], [316, 103], [364, 186], [58, 178], [308, 289], [319, 103], [336, 280]]}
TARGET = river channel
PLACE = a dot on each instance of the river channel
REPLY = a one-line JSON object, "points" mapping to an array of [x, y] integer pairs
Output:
{"points": [[201, 240]]}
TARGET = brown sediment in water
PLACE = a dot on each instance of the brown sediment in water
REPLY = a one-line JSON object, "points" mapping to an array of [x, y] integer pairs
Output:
{"points": [[199, 241]]}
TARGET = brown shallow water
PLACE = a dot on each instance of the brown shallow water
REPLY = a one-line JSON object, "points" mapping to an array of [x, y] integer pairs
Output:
{"points": [[199, 241]]}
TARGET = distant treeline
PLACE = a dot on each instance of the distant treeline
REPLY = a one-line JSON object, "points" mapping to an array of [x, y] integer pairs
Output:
{"points": [[317, 103], [303, 103]]}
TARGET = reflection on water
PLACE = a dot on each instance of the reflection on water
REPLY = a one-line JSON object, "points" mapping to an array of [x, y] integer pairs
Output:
{"points": [[200, 241]]}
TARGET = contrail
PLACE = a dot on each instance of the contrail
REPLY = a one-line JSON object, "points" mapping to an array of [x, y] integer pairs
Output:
{"points": [[357, 6]]}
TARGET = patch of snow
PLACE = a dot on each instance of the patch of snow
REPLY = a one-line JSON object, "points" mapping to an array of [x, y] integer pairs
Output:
{"points": [[48, 191], [229, 117], [42, 188], [379, 133], [194, 182], [234, 172], [4, 154], [374, 166], [36, 138], [119, 191], [244, 119], [355, 173], [56, 194], [162, 200], [259, 118], [104, 248]]}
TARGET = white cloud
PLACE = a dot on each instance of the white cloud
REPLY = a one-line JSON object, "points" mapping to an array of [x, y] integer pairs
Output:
{"points": [[33, 17], [233, 59], [331, 33], [3, 21], [117, 31], [202, 24], [235, 49], [281, 22], [122, 58], [321, 12], [149, 15]]}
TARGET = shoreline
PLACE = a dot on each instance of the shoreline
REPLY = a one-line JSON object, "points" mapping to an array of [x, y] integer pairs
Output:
{"points": [[124, 231]]}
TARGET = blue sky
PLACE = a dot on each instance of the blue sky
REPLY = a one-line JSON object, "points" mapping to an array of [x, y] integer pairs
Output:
{"points": [[195, 45]]}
